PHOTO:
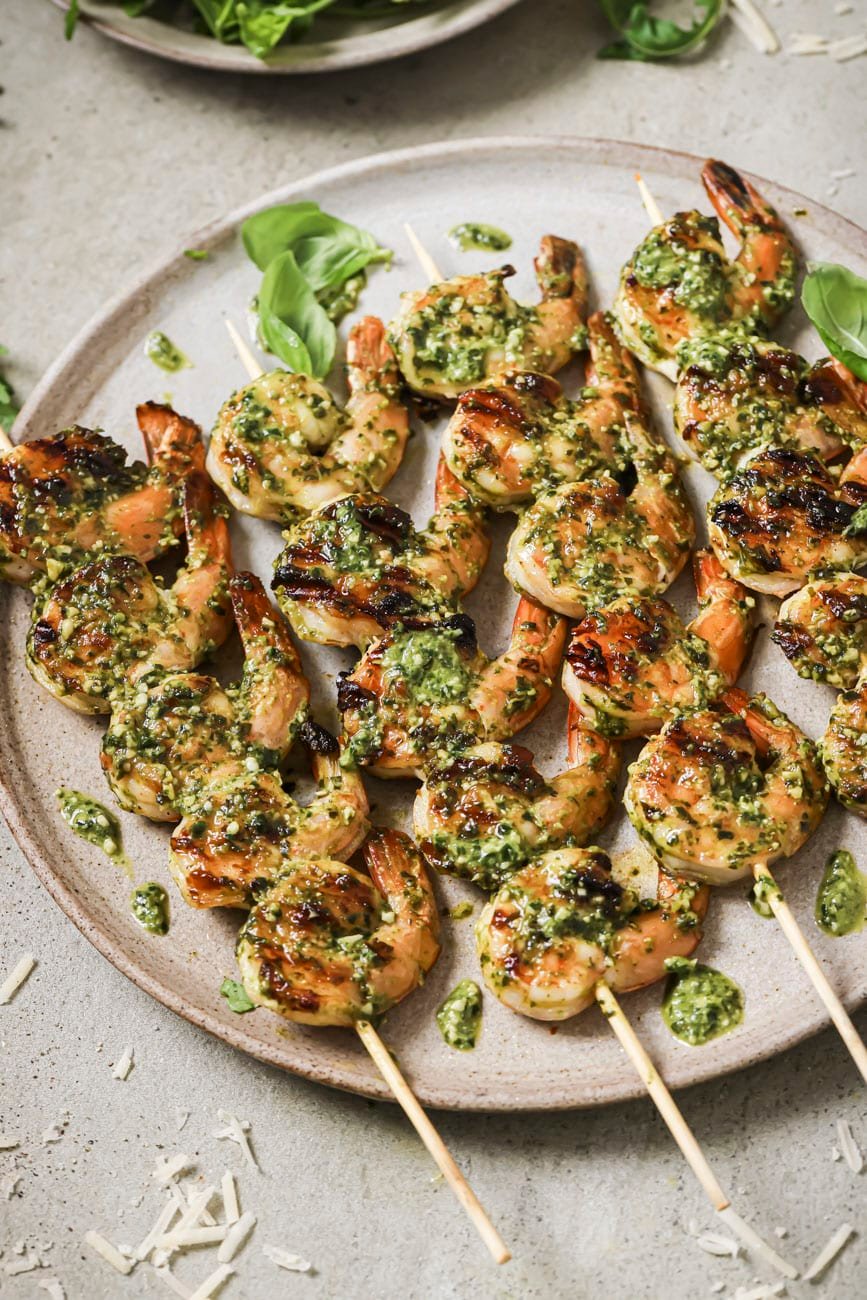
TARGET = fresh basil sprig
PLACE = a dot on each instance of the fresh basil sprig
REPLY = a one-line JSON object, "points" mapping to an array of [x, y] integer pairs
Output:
{"points": [[8, 405], [645, 38], [307, 257], [236, 996], [835, 299]]}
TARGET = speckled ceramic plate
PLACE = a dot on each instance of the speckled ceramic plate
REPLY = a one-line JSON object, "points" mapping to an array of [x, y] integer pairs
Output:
{"points": [[582, 189], [332, 42]]}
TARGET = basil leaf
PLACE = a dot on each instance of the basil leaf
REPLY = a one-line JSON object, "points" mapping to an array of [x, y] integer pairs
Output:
{"points": [[9, 407], [273, 231], [328, 251], [835, 299], [70, 22], [293, 324], [236, 996], [262, 25], [220, 18], [647, 38]]}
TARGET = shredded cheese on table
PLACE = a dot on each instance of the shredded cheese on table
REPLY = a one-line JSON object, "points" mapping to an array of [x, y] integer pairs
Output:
{"points": [[286, 1259], [109, 1253], [124, 1064], [829, 1253], [213, 1283], [229, 1193], [849, 1147], [16, 977]]}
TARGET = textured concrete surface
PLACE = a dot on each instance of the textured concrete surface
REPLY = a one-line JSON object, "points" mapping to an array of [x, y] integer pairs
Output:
{"points": [[108, 159]]}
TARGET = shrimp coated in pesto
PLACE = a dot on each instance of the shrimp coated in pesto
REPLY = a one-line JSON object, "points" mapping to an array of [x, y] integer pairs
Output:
{"points": [[509, 442], [843, 748], [735, 395], [327, 945], [173, 734], [108, 622], [783, 517], [357, 567], [631, 664], [679, 283], [822, 629], [461, 332], [487, 812], [419, 695], [722, 790], [585, 544], [66, 496], [246, 828], [282, 446], [564, 923]]}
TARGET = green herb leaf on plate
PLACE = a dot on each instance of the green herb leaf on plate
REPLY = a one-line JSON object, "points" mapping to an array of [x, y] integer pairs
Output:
{"points": [[236, 996], [645, 38], [292, 322], [835, 299], [70, 22], [9, 407], [197, 254]]}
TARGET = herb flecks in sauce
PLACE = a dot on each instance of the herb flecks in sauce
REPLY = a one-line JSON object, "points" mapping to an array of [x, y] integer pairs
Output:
{"points": [[842, 899], [700, 1003], [472, 235], [150, 907], [163, 352], [759, 898], [92, 822], [460, 1016]]}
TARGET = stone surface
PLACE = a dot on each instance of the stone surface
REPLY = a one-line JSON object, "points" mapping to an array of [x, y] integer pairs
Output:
{"points": [[109, 158]]}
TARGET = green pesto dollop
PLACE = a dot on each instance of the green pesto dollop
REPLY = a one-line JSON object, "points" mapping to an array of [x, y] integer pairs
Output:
{"points": [[150, 907], [700, 1003], [237, 997], [92, 822], [842, 899], [471, 235], [431, 665], [461, 910], [341, 300], [759, 897], [163, 352], [460, 1016]]}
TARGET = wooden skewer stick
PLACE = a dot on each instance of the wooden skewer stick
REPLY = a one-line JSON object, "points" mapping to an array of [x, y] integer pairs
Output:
{"points": [[805, 955], [6, 443], [651, 207], [380, 1054], [424, 1128], [680, 1130], [426, 262]]}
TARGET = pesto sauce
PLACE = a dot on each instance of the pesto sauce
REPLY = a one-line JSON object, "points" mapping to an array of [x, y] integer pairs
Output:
{"points": [[759, 897], [842, 898], [343, 298], [470, 235], [150, 907], [92, 822], [700, 1003], [163, 352], [460, 1016], [430, 664]]}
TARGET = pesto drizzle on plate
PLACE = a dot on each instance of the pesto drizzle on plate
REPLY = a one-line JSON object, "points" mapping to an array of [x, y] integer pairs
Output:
{"points": [[841, 902], [700, 1003], [164, 353], [90, 821], [471, 235], [460, 1016], [150, 907]]}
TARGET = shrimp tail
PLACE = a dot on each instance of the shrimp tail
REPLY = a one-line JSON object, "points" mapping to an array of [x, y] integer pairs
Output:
{"points": [[561, 271], [736, 201], [398, 870], [610, 362], [171, 440], [370, 360]]}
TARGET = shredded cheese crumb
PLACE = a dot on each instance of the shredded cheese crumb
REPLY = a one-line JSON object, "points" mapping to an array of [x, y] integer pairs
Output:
{"points": [[166, 1170], [212, 1283], [236, 1131], [850, 47], [716, 1244], [109, 1253], [236, 1237], [124, 1065], [286, 1259], [165, 1274], [849, 1147], [181, 1117], [146, 1245], [229, 1192], [829, 1252], [748, 18], [16, 977]]}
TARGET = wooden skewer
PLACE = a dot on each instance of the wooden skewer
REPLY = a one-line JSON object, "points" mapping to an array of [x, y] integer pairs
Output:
{"points": [[805, 955], [680, 1130], [651, 207], [439, 1151], [426, 262], [380, 1055], [6, 443]]}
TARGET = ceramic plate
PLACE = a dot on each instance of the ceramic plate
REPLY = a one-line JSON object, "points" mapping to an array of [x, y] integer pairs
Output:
{"points": [[332, 42], [583, 189]]}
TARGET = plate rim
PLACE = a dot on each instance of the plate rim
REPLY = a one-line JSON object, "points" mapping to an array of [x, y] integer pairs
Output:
{"points": [[322, 57], [693, 1071]]}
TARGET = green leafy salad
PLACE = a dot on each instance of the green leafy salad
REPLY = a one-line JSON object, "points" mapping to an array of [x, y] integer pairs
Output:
{"points": [[258, 24]]}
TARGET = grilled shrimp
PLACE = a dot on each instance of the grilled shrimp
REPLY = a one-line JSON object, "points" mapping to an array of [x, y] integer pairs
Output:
{"points": [[246, 829], [64, 496], [721, 790], [822, 629], [631, 664], [843, 748], [417, 696], [326, 945], [461, 332], [585, 544], [174, 733], [508, 442], [783, 517], [108, 623], [484, 814], [357, 567], [679, 283], [563, 923], [735, 395], [282, 446]]}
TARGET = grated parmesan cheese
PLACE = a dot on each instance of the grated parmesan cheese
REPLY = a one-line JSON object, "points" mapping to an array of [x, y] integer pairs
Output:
{"points": [[829, 1252], [807, 43], [285, 1259], [7, 1143], [178, 1240], [147, 1244], [16, 977], [754, 1242], [236, 1131], [212, 1283], [165, 1274], [124, 1065], [849, 1147], [181, 1117], [166, 1170], [236, 1237], [229, 1192], [109, 1253], [849, 47], [749, 19], [53, 1286], [714, 1243]]}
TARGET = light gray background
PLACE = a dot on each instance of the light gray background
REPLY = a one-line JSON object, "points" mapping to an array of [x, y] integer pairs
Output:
{"points": [[108, 158]]}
